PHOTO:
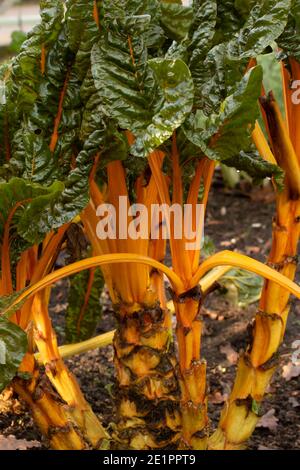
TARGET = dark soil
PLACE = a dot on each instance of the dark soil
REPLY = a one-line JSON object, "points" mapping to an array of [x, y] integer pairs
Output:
{"points": [[237, 220]]}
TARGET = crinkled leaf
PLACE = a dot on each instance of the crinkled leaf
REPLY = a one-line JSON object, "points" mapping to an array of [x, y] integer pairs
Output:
{"points": [[2, 352], [121, 73], [97, 132], [289, 39], [155, 36], [14, 346], [43, 143], [20, 194], [84, 309], [176, 20], [229, 21], [38, 212], [202, 29], [224, 135], [174, 79], [216, 75], [27, 71], [256, 167], [82, 32], [11, 443], [266, 22], [201, 39]]}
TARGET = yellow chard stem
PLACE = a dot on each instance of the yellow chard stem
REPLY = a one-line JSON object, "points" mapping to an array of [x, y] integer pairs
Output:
{"points": [[61, 378], [94, 262], [69, 350], [262, 145], [257, 365], [230, 258]]}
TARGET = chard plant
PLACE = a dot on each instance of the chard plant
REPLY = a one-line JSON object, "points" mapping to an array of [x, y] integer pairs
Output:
{"points": [[140, 100]]}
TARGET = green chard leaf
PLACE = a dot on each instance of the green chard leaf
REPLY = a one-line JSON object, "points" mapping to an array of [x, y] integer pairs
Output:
{"points": [[243, 7], [229, 21], [45, 142], [223, 135], [27, 70], [30, 201], [13, 346], [266, 22], [176, 20], [174, 79], [151, 98], [202, 30], [234, 43], [82, 32], [121, 73], [288, 41]]}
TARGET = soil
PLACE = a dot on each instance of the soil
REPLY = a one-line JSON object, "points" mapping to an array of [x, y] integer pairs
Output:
{"points": [[237, 220]]}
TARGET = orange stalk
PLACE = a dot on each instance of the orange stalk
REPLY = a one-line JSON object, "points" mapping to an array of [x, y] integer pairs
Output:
{"points": [[57, 120], [180, 260], [6, 284], [230, 258], [43, 60], [96, 14]]}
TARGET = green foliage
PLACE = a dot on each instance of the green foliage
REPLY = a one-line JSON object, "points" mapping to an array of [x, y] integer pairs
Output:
{"points": [[84, 309], [121, 73], [13, 346], [265, 23], [223, 135], [208, 247], [289, 39], [152, 68], [6, 301], [30, 201], [176, 84], [242, 287], [176, 20]]}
